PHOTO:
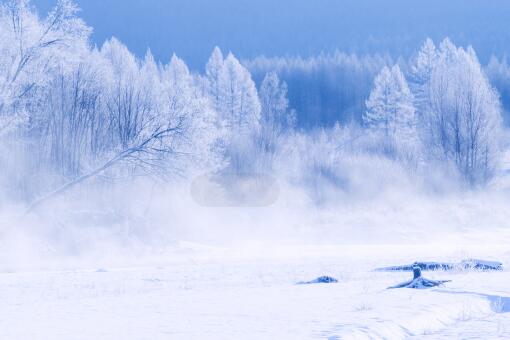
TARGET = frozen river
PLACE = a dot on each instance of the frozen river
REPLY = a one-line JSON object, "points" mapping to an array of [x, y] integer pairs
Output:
{"points": [[251, 294]]}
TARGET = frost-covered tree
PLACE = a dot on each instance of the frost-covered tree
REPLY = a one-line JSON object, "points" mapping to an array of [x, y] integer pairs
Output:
{"points": [[239, 104], [86, 112], [34, 52], [234, 97], [30, 49], [67, 128], [424, 63], [213, 71], [183, 102], [390, 111], [238, 107], [421, 72], [498, 71], [128, 103], [276, 118], [277, 121], [465, 117]]}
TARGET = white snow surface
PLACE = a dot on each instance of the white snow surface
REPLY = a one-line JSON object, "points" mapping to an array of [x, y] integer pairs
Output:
{"points": [[250, 292]]}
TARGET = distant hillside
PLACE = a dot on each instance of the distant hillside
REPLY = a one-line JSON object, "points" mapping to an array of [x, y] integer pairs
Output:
{"points": [[191, 28]]}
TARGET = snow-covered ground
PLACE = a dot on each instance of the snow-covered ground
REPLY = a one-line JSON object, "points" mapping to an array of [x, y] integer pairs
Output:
{"points": [[249, 292]]}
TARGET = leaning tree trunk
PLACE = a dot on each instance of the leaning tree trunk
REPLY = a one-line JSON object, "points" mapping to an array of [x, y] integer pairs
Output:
{"points": [[143, 147]]}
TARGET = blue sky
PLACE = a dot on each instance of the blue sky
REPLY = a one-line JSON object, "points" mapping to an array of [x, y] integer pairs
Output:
{"points": [[191, 28]]}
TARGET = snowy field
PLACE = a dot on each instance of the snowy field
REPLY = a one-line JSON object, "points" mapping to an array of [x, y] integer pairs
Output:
{"points": [[198, 292], [145, 198]]}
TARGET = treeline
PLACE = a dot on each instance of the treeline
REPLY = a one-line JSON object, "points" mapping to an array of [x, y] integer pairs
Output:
{"points": [[440, 105], [326, 89], [71, 112], [448, 112], [333, 88]]}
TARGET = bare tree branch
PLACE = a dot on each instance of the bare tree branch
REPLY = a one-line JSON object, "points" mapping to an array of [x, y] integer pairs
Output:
{"points": [[143, 146]]}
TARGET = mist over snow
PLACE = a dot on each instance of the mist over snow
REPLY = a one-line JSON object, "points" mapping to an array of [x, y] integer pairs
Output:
{"points": [[104, 151], [153, 150]]}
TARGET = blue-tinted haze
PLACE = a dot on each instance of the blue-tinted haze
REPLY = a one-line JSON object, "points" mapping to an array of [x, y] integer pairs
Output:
{"points": [[191, 28]]}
